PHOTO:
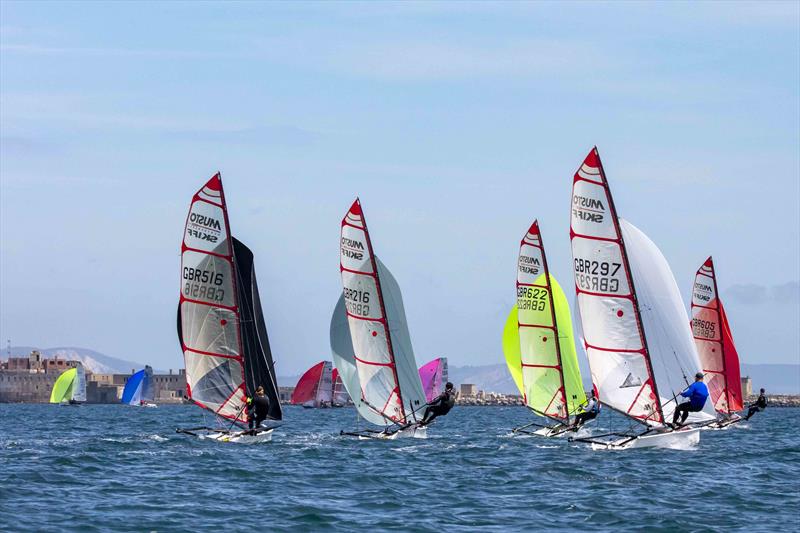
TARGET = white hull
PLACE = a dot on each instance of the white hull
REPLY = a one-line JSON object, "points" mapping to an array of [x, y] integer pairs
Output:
{"points": [[723, 425], [416, 432], [263, 436], [678, 439]]}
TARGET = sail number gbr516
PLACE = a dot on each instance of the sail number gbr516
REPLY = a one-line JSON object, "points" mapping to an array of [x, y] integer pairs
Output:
{"points": [[596, 276], [199, 282], [357, 301]]}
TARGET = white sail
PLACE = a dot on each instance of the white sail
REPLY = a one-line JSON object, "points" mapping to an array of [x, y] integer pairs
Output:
{"points": [[79, 385], [387, 372], [325, 385], [672, 349]]}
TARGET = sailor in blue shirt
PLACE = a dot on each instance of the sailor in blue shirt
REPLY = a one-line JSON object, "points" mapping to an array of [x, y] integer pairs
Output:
{"points": [[697, 394]]}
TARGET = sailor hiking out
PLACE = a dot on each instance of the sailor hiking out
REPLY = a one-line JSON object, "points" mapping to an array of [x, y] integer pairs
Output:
{"points": [[440, 405], [760, 405], [697, 394], [590, 412]]}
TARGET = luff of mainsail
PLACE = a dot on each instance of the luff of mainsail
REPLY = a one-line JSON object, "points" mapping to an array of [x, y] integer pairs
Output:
{"points": [[715, 347], [381, 348], [220, 325], [614, 336]]}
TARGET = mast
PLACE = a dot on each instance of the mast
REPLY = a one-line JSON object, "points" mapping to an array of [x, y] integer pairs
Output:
{"points": [[596, 277]]}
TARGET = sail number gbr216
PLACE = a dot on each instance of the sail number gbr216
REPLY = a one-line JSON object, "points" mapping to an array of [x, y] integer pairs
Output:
{"points": [[357, 301], [596, 276]]}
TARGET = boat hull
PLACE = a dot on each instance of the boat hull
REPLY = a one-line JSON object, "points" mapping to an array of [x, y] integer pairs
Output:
{"points": [[723, 425], [263, 436], [414, 432], [677, 439]]}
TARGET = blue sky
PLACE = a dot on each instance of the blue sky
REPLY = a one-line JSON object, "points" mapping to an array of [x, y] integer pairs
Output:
{"points": [[457, 124]]}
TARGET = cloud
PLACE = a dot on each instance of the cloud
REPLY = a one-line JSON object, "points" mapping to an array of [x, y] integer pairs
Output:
{"points": [[752, 294]]}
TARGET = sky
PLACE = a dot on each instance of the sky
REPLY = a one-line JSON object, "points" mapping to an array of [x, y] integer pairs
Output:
{"points": [[456, 124]]}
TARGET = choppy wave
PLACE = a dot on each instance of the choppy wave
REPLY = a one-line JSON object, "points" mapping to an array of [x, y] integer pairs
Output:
{"points": [[111, 467]]}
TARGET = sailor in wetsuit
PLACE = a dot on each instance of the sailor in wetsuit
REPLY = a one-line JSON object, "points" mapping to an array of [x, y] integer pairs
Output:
{"points": [[440, 405], [697, 394], [590, 412], [257, 408], [760, 405]]}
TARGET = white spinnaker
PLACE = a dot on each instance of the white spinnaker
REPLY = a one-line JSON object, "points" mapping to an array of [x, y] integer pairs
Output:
{"points": [[613, 335], [673, 353], [325, 385], [344, 360], [79, 385]]}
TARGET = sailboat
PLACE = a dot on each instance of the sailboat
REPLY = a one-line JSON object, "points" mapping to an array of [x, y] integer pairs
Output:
{"points": [[640, 351], [545, 372], [315, 386], [370, 341], [712, 335], [434, 376], [70, 387], [220, 324], [340, 396], [139, 389]]}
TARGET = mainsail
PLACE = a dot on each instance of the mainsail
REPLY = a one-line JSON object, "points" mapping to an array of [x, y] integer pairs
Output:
{"points": [[371, 345], [340, 396], [220, 324], [315, 386], [434, 376], [546, 372], [714, 341], [79, 385], [640, 352], [139, 387]]}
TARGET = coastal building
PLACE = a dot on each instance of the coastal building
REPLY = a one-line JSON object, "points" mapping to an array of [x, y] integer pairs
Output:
{"points": [[468, 389], [747, 386]]}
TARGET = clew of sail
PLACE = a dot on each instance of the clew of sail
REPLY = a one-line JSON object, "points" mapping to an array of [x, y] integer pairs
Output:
{"points": [[547, 371], [387, 377], [433, 375], [715, 347], [220, 325]]}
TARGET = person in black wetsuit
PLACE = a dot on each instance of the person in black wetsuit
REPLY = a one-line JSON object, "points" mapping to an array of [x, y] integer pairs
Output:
{"points": [[440, 405], [760, 405], [590, 412], [257, 408]]}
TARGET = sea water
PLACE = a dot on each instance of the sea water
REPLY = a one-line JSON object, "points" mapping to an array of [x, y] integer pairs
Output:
{"points": [[122, 468]]}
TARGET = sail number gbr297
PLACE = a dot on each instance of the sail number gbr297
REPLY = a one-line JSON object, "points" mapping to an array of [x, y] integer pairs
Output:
{"points": [[596, 276], [357, 301]]}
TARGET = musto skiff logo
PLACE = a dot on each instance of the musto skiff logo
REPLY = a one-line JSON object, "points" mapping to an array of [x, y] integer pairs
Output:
{"points": [[702, 292], [352, 248], [529, 265], [589, 209], [203, 227]]}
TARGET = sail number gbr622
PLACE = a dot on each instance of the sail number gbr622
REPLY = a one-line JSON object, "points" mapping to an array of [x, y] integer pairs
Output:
{"points": [[198, 284], [596, 276], [531, 298], [357, 301]]}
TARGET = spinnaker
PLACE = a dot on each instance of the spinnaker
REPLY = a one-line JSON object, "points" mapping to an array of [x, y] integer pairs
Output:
{"points": [[370, 341], [220, 323], [315, 386], [640, 351], [545, 370], [712, 335], [434, 376], [139, 388], [70, 386]]}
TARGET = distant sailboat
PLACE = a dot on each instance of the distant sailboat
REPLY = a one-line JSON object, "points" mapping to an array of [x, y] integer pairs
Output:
{"points": [[315, 386], [70, 387], [220, 324], [634, 320], [340, 396], [139, 388], [718, 355], [545, 372], [370, 341], [434, 376]]}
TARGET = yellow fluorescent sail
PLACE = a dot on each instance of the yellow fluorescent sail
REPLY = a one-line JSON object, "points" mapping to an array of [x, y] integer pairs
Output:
{"points": [[62, 388], [511, 349]]}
